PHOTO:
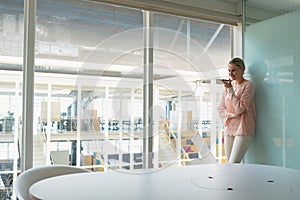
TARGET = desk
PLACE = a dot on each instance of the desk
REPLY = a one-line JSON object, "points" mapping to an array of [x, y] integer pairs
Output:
{"points": [[202, 182]]}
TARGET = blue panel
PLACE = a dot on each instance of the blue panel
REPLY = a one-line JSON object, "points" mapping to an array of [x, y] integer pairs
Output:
{"points": [[272, 53]]}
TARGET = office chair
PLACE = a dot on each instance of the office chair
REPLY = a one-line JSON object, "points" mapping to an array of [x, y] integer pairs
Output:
{"points": [[33, 175]]}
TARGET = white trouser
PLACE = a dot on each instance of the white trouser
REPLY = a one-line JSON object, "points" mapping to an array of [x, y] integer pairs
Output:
{"points": [[236, 147]]}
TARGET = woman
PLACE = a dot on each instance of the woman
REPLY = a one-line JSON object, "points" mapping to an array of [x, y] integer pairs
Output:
{"points": [[237, 109]]}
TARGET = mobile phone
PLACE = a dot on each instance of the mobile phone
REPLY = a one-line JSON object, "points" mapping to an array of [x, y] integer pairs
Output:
{"points": [[223, 81]]}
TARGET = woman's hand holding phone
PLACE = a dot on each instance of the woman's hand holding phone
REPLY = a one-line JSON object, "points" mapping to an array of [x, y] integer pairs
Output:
{"points": [[227, 83]]}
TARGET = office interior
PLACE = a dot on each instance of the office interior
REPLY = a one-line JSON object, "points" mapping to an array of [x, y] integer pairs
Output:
{"points": [[110, 78]]}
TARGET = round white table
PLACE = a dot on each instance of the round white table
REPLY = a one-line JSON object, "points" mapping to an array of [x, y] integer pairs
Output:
{"points": [[205, 182]]}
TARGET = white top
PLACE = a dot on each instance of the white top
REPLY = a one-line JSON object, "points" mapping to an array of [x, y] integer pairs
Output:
{"points": [[205, 182]]}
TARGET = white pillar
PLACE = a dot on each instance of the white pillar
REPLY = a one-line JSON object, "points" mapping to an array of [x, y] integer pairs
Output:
{"points": [[28, 84], [148, 90]]}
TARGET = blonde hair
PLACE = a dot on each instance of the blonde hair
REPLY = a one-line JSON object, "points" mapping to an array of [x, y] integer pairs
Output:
{"points": [[237, 62]]}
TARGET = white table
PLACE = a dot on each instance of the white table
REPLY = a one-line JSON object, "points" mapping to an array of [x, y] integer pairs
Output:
{"points": [[202, 182]]}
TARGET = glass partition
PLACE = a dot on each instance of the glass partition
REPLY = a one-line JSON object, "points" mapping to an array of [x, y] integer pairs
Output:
{"points": [[11, 57], [89, 84], [272, 54], [88, 92], [189, 55], [88, 80]]}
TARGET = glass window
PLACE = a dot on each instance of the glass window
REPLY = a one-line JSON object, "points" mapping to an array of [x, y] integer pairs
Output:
{"points": [[188, 54], [88, 75], [88, 92], [11, 43]]}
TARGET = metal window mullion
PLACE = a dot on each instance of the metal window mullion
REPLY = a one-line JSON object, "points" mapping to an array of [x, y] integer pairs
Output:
{"points": [[49, 124], [156, 130], [188, 38], [120, 119], [28, 84], [148, 90], [131, 143], [179, 127], [243, 26], [213, 128], [78, 127], [106, 107], [16, 135], [106, 140]]}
